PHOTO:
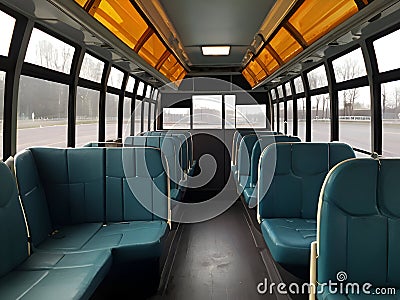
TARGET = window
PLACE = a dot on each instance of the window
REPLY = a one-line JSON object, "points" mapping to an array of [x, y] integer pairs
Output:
{"points": [[207, 112], [115, 79], [280, 92], [155, 95], [288, 89], [138, 117], [298, 85], [146, 116], [320, 116], [140, 89], [276, 120], [152, 106], [46, 51], [281, 117], [2, 79], [87, 116], [391, 118], [386, 48], [126, 130], [92, 68], [131, 84], [355, 117], [349, 66], [7, 24], [317, 78], [176, 118], [111, 116], [290, 117], [273, 94], [148, 92], [251, 116], [42, 113], [230, 102], [301, 118]]}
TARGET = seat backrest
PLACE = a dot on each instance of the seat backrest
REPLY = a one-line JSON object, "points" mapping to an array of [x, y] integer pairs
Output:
{"points": [[291, 188], [13, 234], [259, 147], [137, 185], [244, 155], [168, 146], [358, 223], [239, 135], [183, 146], [33, 197], [72, 181]]}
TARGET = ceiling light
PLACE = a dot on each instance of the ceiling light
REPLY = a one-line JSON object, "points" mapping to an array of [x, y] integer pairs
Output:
{"points": [[216, 50]]}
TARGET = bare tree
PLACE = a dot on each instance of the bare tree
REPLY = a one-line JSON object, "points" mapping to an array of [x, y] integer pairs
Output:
{"points": [[348, 70]]}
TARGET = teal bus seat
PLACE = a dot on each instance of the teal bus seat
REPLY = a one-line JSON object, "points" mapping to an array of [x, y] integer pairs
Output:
{"points": [[358, 228], [238, 137], [244, 157], [41, 275], [169, 147], [289, 183], [71, 196], [250, 190]]}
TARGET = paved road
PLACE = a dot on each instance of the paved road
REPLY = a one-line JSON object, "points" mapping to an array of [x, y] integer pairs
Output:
{"points": [[355, 133]]}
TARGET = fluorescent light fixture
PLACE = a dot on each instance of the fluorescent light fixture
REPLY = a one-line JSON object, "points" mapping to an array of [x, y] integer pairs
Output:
{"points": [[216, 50]]}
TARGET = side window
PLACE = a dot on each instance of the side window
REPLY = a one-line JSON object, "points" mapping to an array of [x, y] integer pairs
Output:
{"points": [[92, 68], [111, 116], [42, 113], [301, 117], [46, 51], [126, 130], [87, 116], [349, 66], [115, 79], [320, 115], [317, 78], [7, 28], [138, 117], [355, 117]]}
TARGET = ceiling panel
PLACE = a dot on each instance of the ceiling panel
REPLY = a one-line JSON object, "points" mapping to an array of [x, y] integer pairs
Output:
{"points": [[216, 22]]}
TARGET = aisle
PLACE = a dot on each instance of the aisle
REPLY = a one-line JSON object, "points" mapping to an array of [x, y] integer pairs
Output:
{"points": [[216, 259]]}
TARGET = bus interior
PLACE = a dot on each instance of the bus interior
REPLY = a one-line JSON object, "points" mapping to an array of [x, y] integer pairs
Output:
{"points": [[182, 149]]}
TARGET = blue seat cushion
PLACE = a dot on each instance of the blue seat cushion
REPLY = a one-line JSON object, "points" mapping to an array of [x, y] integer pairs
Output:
{"points": [[70, 238], [289, 240], [130, 240], [55, 276]]}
